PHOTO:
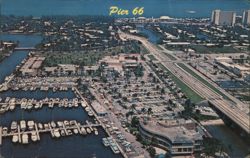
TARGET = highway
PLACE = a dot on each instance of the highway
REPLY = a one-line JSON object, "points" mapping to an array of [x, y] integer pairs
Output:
{"points": [[230, 109]]}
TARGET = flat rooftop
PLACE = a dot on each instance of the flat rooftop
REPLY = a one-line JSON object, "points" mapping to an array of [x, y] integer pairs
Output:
{"points": [[98, 108], [177, 134]]}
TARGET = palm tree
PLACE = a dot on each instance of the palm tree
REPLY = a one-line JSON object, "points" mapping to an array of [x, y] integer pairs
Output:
{"points": [[150, 111], [130, 113], [132, 107]]}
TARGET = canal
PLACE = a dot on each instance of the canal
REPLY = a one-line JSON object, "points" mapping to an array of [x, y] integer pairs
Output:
{"points": [[8, 65], [152, 36], [70, 146]]}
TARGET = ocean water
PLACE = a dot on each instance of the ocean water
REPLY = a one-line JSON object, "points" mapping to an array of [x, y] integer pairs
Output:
{"points": [[152, 8]]}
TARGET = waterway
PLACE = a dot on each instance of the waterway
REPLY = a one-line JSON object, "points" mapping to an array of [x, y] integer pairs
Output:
{"points": [[8, 65], [38, 95], [71, 146], [152, 36], [152, 8], [23, 40], [235, 146]]}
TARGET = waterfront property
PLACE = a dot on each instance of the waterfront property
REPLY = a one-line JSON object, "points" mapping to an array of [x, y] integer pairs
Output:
{"points": [[21, 133], [177, 137]]}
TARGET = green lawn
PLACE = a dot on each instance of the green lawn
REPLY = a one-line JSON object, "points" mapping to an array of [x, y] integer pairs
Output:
{"points": [[202, 80], [207, 50], [195, 98]]}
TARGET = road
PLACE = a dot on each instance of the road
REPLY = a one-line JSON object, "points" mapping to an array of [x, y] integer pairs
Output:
{"points": [[137, 147], [226, 107]]}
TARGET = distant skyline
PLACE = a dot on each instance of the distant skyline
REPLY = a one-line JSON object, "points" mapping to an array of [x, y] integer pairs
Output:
{"points": [[155, 8]]}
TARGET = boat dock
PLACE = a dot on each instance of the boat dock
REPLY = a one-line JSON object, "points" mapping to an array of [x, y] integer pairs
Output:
{"points": [[28, 104], [37, 132], [47, 128], [0, 135], [101, 123]]}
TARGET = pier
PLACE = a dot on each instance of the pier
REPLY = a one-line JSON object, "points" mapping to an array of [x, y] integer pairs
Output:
{"points": [[24, 49], [37, 132], [46, 129], [29, 104], [101, 123], [0, 135]]}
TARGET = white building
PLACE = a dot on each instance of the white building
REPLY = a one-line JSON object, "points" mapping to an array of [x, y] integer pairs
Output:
{"points": [[246, 17], [223, 17], [99, 109], [177, 138]]}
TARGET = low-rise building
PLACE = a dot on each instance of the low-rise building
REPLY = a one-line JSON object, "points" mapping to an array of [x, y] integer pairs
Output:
{"points": [[240, 70], [99, 109], [31, 66], [177, 137], [121, 61]]}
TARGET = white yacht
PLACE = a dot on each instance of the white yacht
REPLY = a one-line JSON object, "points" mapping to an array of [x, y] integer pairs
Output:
{"points": [[31, 125], [34, 136], [83, 104], [57, 133], [84, 132], [53, 124], [25, 138], [13, 126], [15, 138], [96, 131], [40, 126], [88, 130], [23, 125], [75, 131]]}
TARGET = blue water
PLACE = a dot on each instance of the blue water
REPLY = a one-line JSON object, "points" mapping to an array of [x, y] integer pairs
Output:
{"points": [[151, 35], [8, 65], [38, 95], [45, 114], [72, 146], [76, 146], [155, 8], [24, 40]]}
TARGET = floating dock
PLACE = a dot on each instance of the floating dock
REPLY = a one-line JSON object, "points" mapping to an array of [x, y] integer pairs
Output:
{"points": [[49, 129], [1, 135]]}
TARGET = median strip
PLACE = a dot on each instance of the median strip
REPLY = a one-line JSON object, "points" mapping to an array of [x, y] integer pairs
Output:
{"points": [[194, 97], [202, 80]]}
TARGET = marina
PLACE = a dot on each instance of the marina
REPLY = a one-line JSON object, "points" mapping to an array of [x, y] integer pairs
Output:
{"points": [[59, 147], [37, 94], [28, 104], [162, 84], [31, 132], [21, 132]]}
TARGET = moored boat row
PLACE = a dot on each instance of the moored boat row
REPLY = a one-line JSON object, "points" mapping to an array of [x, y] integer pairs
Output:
{"points": [[109, 141]]}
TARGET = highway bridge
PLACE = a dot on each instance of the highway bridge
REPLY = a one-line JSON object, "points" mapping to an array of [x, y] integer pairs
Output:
{"points": [[228, 108]]}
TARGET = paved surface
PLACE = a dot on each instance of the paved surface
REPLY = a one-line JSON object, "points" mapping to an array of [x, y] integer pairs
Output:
{"points": [[228, 108], [137, 147]]}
